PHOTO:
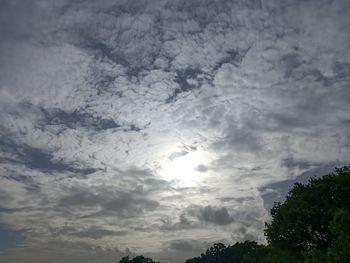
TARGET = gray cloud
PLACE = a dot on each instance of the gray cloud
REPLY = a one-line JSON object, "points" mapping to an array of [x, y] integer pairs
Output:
{"points": [[124, 204], [76, 119], [99, 233], [186, 80], [128, 204], [182, 223], [212, 214], [188, 245], [10, 238], [56, 251], [91, 232], [34, 158], [201, 168], [175, 155]]}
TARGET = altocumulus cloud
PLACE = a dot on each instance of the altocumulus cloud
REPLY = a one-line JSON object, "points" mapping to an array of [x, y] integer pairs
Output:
{"points": [[98, 101]]}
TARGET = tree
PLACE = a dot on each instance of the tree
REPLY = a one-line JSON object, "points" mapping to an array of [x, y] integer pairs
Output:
{"points": [[247, 252], [340, 227], [306, 222], [275, 255], [213, 254], [137, 259]]}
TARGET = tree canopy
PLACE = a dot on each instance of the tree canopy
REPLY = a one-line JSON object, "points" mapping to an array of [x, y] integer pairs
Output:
{"points": [[137, 259], [246, 252], [302, 222]]}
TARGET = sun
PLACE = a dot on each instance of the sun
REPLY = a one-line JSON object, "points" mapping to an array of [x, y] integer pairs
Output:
{"points": [[184, 168]]}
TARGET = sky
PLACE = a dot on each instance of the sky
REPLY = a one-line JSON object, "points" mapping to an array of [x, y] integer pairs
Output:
{"points": [[159, 127]]}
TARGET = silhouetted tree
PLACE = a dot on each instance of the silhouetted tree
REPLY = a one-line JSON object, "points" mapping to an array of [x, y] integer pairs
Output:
{"points": [[303, 222], [240, 252], [340, 252], [137, 259]]}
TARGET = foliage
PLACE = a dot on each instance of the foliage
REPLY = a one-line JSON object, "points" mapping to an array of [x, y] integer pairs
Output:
{"points": [[138, 259], [302, 222], [240, 252], [340, 252], [279, 256]]}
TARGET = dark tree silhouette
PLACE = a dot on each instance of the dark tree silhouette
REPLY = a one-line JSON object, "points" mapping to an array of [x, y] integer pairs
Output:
{"points": [[137, 259], [303, 221], [340, 252], [246, 252]]}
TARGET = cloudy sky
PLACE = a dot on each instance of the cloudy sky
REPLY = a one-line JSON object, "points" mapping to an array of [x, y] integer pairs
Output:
{"points": [[159, 127]]}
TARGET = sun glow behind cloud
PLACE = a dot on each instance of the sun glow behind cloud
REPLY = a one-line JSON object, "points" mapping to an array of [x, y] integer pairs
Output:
{"points": [[184, 168]]}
